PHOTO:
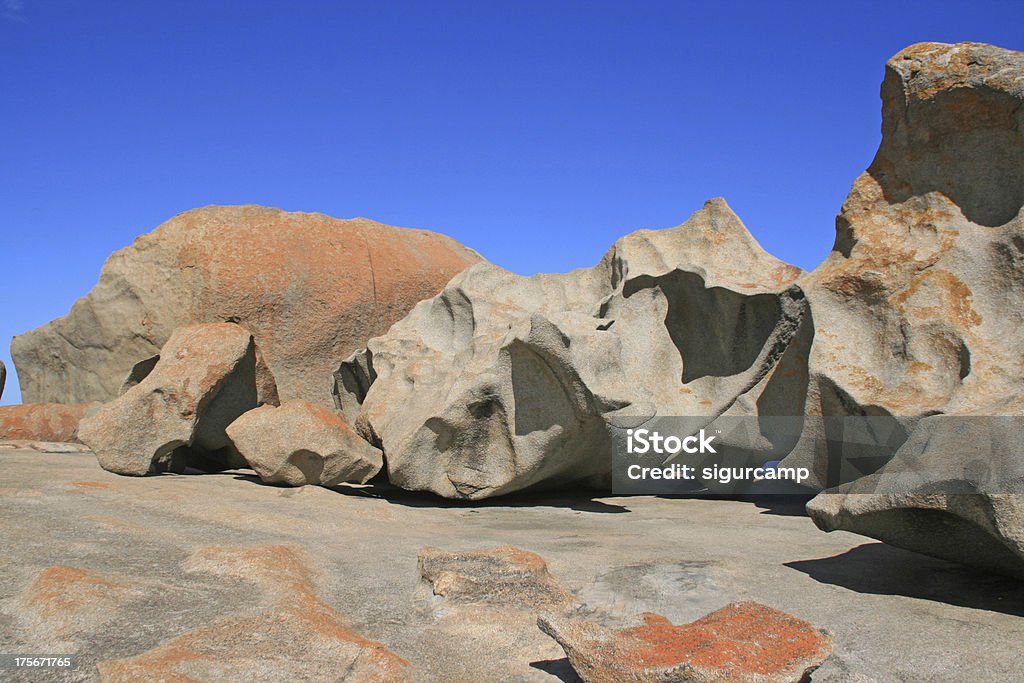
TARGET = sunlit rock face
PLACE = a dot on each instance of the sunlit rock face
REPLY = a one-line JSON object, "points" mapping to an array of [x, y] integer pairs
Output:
{"points": [[504, 382], [312, 289], [919, 309]]}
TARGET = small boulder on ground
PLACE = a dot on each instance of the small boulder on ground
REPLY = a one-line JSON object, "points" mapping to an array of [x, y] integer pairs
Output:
{"points": [[50, 422], [302, 443], [744, 642], [176, 417], [266, 385]]}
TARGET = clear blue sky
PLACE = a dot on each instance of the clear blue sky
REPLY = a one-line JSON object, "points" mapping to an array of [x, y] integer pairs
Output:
{"points": [[535, 132]]}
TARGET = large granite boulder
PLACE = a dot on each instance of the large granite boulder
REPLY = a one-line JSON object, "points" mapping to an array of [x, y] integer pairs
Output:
{"points": [[311, 288], [177, 416], [50, 422], [302, 443], [918, 310], [503, 382], [3, 377]]}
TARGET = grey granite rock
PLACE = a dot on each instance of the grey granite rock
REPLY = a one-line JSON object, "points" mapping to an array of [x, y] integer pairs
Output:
{"points": [[238, 575], [503, 382]]}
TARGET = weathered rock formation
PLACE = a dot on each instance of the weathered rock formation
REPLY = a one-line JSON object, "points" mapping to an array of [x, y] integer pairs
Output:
{"points": [[3, 377], [56, 422], [311, 288], [487, 601], [919, 308], [302, 443], [954, 490], [503, 382], [177, 416], [744, 642], [266, 385]]}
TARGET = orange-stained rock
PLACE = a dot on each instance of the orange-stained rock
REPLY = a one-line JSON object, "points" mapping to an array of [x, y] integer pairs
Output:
{"points": [[917, 312], [303, 641], [744, 642], [914, 308], [311, 288], [506, 576], [66, 601], [302, 443], [56, 422], [177, 415], [266, 385], [299, 637]]}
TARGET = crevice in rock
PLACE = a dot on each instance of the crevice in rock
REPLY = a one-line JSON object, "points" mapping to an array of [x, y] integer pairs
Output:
{"points": [[718, 332], [352, 381]]}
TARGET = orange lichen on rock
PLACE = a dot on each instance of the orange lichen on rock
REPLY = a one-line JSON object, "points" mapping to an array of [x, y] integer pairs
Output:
{"points": [[742, 642], [281, 569], [300, 637], [286, 644], [56, 422], [65, 600], [310, 288], [944, 296], [747, 636]]}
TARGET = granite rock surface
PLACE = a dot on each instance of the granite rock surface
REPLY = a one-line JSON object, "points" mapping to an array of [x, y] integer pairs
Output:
{"points": [[310, 288]]}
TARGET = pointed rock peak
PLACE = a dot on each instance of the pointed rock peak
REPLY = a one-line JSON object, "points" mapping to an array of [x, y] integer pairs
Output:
{"points": [[953, 122], [713, 243]]}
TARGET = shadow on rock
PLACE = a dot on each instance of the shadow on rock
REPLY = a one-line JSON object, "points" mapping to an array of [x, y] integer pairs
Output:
{"points": [[559, 668], [880, 569]]}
